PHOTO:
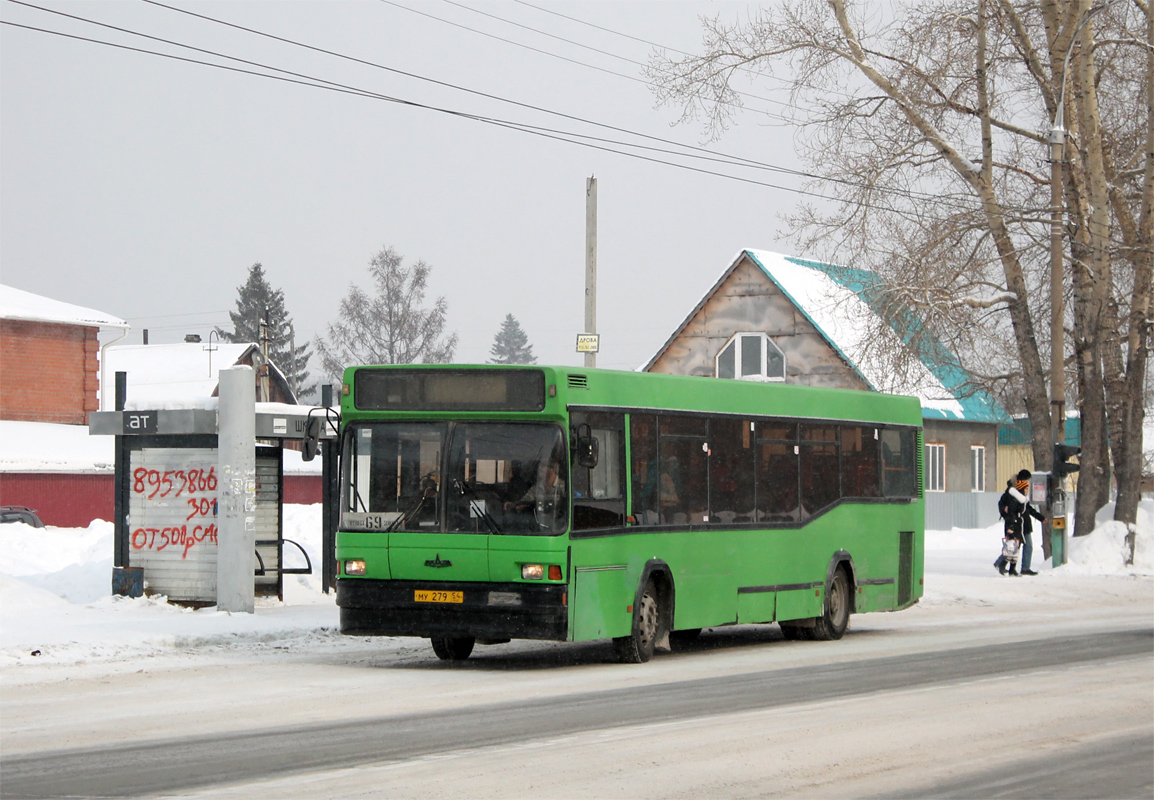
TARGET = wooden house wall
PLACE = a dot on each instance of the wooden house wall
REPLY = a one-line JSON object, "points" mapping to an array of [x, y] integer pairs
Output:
{"points": [[748, 301]]}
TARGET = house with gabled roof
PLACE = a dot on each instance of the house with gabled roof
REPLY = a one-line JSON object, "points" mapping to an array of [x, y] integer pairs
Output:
{"points": [[772, 317], [186, 375]]}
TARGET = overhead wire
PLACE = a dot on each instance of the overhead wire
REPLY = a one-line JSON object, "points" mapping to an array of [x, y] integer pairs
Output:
{"points": [[825, 90], [565, 136], [713, 155], [633, 61], [475, 92], [319, 83]]}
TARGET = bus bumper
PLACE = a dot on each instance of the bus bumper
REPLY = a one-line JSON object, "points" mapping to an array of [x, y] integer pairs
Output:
{"points": [[488, 611]]}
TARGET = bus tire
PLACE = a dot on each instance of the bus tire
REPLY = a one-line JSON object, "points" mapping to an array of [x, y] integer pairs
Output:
{"points": [[835, 617], [637, 647], [453, 648]]}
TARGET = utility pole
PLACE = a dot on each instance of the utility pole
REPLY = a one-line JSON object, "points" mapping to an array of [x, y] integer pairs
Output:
{"points": [[1057, 521], [591, 266], [262, 371]]}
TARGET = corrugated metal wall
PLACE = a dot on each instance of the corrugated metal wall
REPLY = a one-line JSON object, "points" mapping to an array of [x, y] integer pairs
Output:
{"points": [[946, 510]]}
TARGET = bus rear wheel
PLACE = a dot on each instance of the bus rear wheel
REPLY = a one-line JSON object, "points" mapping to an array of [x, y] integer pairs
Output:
{"points": [[835, 617], [453, 648], [637, 647]]}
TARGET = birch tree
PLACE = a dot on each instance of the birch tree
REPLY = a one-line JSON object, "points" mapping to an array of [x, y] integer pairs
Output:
{"points": [[931, 128], [391, 326]]}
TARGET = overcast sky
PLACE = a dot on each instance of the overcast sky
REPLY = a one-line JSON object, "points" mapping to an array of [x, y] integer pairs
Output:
{"points": [[145, 187]]}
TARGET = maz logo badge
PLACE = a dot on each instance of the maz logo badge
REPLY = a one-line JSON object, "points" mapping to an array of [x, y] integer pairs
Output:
{"points": [[437, 563]]}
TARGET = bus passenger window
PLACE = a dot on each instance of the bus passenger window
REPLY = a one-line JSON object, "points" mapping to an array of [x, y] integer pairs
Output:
{"points": [[777, 488], [683, 486], [859, 461], [643, 469], [899, 463], [731, 464], [820, 476]]}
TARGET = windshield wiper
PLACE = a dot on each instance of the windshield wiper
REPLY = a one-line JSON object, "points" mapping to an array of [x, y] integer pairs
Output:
{"points": [[407, 515], [478, 508]]}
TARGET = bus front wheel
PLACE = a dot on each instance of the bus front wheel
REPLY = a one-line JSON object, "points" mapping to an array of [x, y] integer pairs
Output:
{"points": [[835, 617], [453, 648], [637, 647]]}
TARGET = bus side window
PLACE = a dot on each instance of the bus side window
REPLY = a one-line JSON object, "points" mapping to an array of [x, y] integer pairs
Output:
{"points": [[683, 447], [820, 476], [859, 461], [899, 464], [731, 466], [778, 492], [643, 469], [599, 492]]}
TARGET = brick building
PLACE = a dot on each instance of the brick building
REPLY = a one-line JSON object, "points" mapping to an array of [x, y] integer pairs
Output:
{"points": [[49, 370], [49, 383]]}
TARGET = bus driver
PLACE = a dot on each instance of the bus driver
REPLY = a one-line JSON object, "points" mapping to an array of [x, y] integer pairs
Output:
{"points": [[549, 490]]}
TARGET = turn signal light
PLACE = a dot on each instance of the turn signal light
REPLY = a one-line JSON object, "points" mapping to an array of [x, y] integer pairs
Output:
{"points": [[554, 572], [355, 566]]}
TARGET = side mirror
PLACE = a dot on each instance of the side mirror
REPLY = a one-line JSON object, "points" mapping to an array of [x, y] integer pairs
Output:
{"points": [[587, 447], [312, 439]]}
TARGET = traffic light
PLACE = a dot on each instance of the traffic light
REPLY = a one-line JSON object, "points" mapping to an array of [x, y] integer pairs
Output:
{"points": [[1062, 467]]}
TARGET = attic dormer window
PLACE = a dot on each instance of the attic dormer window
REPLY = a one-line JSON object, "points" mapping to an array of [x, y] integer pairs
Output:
{"points": [[751, 356]]}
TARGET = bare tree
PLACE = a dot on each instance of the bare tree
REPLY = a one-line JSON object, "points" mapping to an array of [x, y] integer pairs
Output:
{"points": [[390, 327], [933, 126]]}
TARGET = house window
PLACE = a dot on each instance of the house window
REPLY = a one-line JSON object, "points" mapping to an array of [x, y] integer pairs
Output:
{"points": [[977, 468], [935, 467], [750, 356]]}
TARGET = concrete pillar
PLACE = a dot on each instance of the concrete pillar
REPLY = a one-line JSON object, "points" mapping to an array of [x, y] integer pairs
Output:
{"points": [[236, 512]]}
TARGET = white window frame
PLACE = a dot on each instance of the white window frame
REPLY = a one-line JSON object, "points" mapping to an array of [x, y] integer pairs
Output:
{"points": [[935, 466], [736, 341], [977, 468]]}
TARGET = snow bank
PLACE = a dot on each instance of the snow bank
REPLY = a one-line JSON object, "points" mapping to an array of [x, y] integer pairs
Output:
{"points": [[56, 605], [1107, 550]]}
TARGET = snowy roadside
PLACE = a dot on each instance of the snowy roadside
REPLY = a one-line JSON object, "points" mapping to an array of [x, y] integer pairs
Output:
{"points": [[55, 606]]}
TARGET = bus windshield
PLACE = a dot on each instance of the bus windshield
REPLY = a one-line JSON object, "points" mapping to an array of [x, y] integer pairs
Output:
{"points": [[474, 477]]}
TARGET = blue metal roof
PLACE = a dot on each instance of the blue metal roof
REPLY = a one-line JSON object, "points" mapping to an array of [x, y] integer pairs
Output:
{"points": [[977, 405]]}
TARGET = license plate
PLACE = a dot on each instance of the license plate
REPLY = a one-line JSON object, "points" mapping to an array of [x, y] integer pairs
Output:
{"points": [[435, 596]]}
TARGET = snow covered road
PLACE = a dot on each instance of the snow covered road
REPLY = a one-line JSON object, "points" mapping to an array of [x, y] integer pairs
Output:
{"points": [[991, 685]]}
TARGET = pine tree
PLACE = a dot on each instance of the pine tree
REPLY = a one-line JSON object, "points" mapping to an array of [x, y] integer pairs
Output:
{"points": [[253, 299], [511, 344], [390, 327]]}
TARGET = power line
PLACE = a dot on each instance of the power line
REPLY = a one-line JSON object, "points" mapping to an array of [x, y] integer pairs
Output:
{"points": [[597, 50], [319, 83], [823, 89], [465, 89], [713, 156], [307, 80]]}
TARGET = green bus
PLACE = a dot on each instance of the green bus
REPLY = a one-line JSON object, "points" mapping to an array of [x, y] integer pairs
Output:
{"points": [[485, 503]]}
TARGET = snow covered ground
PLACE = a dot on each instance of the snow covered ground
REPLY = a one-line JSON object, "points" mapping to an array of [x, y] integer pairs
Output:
{"points": [[56, 607]]}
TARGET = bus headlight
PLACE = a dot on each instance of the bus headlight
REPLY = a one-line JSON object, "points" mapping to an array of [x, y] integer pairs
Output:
{"points": [[532, 572], [355, 566]]}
